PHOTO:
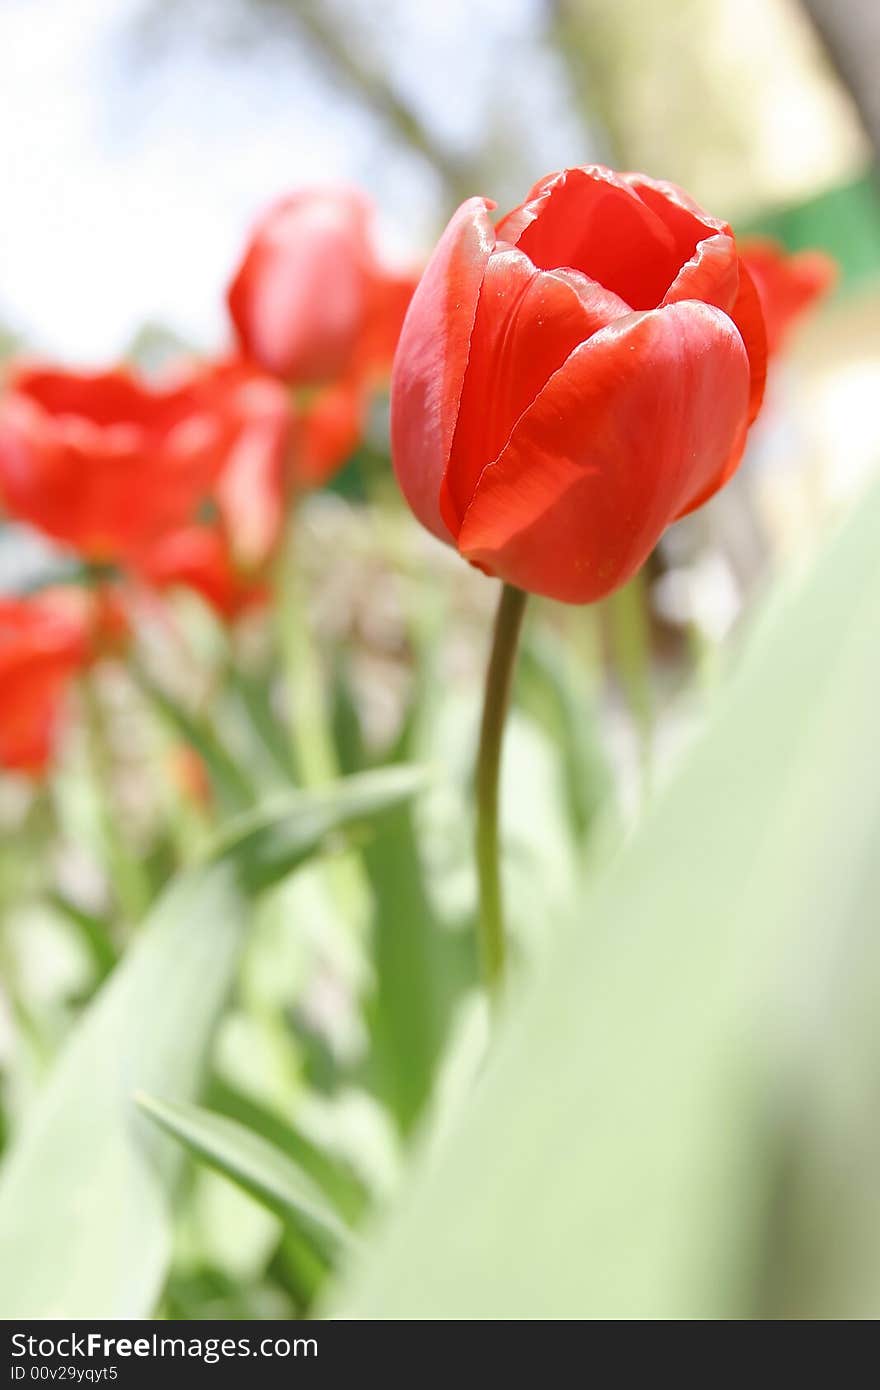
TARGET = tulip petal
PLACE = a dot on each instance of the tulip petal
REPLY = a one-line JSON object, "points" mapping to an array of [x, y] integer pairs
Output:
{"points": [[528, 322], [43, 643], [591, 220], [299, 297], [388, 302], [199, 558], [104, 398], [707, 245], [105, 461], [711, 274], [432, 355], [636, 422], [748, 316], [686, 221], [787, 285], [328, 430], [716, 275]]}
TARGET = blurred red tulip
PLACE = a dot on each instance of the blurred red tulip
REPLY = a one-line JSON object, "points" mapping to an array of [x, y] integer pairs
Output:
{"points": [[252, 481], [198, 557], [328, 429], [45, 639], [223, 556], [105, 461], [788, 285], [281, 441], [573, 380], [311, 302], [123, 470]]}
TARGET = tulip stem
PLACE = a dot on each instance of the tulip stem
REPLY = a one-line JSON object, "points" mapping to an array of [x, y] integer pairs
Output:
{"points": [[127, 874], [312, 744], [496, 699]]}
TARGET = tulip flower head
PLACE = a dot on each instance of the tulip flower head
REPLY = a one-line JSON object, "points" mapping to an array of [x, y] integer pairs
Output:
{"points": [[249, 490], [223, 552], [313, 304], [571, 380], [45, 641], [104, 461], [789, 285], [124, 470], [311, 301], [199, 558]]}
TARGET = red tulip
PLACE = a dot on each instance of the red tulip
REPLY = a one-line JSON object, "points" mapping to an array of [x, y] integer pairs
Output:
{"points": [[253, 478], [44, 641], [280, 441], [788, 286], [198, 557], [572, 380], [223, 552], [105, 461], [328, 429], [311, 302]]}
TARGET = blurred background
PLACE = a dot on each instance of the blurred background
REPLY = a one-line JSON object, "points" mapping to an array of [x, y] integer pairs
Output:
{"points": [[140, 140]]}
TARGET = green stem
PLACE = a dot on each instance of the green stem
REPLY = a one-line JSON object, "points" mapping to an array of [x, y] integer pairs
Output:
{"points": [[308, 706], [630, 640], [312, 745], [499, 677], [127, 874]]}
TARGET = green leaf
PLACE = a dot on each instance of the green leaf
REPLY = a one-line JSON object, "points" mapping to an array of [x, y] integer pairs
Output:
{"points": [[348, 737], [95, 933], [680, 1118], [274, 838], [339, 1183], [231, 784], [554, 695], [422, 969], [84, 1220], [628, 623], [251, 1162], [254, 695]]}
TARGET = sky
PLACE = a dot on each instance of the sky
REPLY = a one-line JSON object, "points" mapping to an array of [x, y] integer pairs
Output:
{"points": [[138, 144]]}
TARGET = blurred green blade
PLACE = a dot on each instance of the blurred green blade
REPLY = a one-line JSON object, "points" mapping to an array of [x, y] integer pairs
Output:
{"points": [[94, 932], [422, 971], [680, 1120], [84, 1224], [231, 784], [272, 839], [558, 699], [254, 695], [337, 1181], [628, 625], [251, 1162]]}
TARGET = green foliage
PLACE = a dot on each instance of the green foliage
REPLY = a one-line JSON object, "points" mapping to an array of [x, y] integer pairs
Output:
{"points": [[252, 1162], [680, 1119], [422, 968], [85, 1223], [231, 783], [553, 691]]}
